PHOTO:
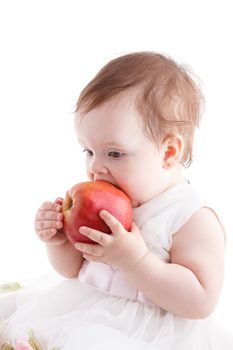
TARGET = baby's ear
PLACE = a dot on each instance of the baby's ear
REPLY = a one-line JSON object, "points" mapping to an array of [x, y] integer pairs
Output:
{"points": [[172, 148]]}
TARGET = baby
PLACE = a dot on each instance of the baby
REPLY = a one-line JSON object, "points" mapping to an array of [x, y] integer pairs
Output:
{"points": [[148, 288]]}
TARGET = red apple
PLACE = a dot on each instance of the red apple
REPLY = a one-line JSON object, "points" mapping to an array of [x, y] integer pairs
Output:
{"points": [[82, 205]]}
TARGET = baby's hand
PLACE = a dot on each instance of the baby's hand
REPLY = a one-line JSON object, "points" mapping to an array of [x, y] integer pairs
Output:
{"points": [[48, 223], [121, 249]]}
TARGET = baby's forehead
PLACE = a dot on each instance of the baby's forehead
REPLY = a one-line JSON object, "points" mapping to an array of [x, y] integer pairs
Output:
{"points": [[119, 124]]}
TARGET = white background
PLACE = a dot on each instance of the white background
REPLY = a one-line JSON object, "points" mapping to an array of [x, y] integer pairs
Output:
{"points": [[49, 51]]}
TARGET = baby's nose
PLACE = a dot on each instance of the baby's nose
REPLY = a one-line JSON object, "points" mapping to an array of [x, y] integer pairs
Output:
{"points": [[98, 167]]}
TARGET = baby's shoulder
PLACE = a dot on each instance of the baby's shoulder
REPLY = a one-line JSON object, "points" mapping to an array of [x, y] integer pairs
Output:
{"points": [[204, 228]]}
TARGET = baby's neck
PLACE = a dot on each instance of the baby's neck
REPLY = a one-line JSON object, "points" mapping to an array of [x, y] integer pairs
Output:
{"points": [[174, 177]]}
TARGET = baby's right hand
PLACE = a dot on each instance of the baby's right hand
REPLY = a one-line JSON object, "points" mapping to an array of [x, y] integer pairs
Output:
{"points": [[48, 223]]}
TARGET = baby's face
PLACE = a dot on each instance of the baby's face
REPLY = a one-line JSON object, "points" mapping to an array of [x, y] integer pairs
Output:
{"points": [[118, 151]]}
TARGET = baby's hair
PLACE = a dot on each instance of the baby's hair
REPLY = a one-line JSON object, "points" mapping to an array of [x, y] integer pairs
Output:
{"points": [[168, 98]]}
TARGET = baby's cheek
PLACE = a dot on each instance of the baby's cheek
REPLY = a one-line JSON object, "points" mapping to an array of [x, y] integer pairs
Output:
{"points": [[90, 176]]}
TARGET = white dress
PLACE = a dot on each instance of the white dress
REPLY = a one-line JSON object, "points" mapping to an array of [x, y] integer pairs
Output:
{"points": [[99, 310]]}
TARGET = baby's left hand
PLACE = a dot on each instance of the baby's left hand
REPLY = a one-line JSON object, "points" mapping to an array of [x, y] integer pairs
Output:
{"points": [[121, 249]]}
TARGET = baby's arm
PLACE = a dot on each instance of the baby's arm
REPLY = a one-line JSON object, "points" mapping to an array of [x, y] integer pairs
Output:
{"points": [[65, 259], [190, 285]]}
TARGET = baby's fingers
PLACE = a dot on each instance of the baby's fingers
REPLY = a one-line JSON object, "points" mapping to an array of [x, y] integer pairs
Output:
{"points": [[44, 215], [48, 225], [115, 226], [52, 236], [59, 200], [50, 206], [44, 235]]}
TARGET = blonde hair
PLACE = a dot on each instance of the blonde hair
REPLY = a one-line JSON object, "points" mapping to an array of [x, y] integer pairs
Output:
{"points": [[168, 98]]}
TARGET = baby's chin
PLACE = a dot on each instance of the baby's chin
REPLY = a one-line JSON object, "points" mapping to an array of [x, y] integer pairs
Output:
{"points": [[135, 203]]}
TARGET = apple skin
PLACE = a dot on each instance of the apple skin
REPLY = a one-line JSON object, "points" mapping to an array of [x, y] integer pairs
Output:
{"points": [[84, 201]]}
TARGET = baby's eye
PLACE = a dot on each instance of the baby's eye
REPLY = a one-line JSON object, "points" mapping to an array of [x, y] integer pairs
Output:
{"points": [[115, 154], [88, 151]]}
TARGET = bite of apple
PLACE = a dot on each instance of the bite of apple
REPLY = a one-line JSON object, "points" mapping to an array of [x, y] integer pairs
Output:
{"points": [[84, 201]]}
